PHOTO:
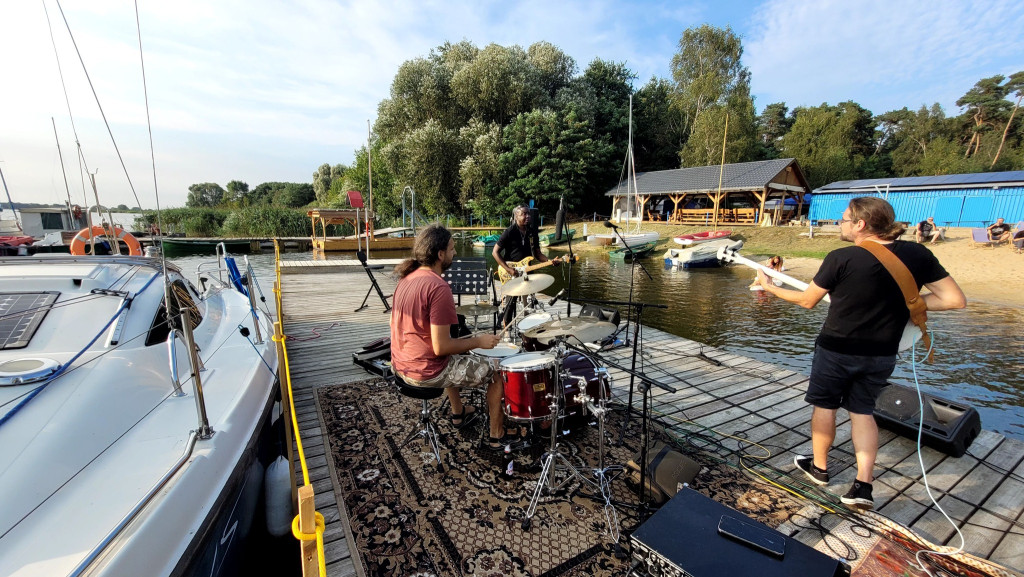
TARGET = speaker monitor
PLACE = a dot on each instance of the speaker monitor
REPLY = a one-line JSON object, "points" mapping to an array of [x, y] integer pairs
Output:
{"points": [[948, 427], [601, 314]]}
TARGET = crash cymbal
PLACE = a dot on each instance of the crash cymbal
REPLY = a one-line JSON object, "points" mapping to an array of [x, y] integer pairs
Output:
{"points": [[476, 310], [527, 285], [586, 329]]}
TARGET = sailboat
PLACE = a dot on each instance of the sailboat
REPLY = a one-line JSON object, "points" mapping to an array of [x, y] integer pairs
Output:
{"points": [[633, 235]]}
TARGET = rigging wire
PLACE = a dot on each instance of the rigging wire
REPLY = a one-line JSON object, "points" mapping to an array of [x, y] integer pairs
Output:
{"points": [[98, 104], [152, 153]]}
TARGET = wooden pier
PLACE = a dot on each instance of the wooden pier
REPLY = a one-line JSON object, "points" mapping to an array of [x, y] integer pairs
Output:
{"points": [[982, 491]]}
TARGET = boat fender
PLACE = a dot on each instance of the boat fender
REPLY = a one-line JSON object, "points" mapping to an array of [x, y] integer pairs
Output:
{"points": [[278, 496]]}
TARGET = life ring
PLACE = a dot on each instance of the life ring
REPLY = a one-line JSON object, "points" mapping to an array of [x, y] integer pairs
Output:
{"points": [[81, 240], [76, 211]]}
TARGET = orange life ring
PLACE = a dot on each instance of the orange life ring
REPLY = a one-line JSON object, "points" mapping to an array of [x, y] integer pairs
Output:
{"points": [[81, 240]]}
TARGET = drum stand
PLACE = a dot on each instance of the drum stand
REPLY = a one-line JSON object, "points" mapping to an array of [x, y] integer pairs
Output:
{"points": [[549, 470]]}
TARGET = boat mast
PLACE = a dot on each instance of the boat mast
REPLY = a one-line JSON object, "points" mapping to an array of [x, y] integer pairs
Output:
{"points": [[631, 172]]}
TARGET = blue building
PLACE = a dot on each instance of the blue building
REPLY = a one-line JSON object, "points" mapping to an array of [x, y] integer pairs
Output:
{"points": [[962, 200]]}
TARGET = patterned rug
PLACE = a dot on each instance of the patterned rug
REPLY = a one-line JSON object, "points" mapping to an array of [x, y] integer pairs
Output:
{"points": [[408, 519]]}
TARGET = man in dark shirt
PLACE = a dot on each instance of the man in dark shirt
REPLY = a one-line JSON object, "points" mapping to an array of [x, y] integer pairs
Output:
{"points": [[855, 352], [926, 228], [999, 231], [519, 241]]}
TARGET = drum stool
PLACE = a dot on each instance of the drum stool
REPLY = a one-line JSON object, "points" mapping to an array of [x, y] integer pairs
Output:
{"points": [[425, 426]]}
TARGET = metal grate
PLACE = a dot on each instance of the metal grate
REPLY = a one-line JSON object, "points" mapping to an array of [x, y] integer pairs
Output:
{"points": [[20, 316]]}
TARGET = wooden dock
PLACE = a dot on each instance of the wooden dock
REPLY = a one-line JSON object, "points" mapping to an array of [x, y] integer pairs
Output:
{"points": [[982, 491]]}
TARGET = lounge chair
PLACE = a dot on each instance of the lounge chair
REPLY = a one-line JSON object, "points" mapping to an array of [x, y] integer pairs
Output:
{"points": [[979, 237], [1017, 240]]}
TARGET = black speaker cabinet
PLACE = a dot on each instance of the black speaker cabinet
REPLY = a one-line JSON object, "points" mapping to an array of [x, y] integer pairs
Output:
{"points": [[694, 536], [601, 314], [949, 427]]}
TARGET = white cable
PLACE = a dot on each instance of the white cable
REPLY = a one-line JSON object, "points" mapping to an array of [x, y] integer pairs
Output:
{"points": [[920, 460]]}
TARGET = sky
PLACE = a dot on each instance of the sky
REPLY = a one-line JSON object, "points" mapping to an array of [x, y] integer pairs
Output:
{"points": [[265, 90]]}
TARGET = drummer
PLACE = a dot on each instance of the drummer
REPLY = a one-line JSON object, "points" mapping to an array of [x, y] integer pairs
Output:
{"points": [[423, 352], [520, 240]]}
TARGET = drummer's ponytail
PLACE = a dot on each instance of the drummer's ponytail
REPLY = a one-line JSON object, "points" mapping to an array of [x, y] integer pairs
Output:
{"points": [[429, 242]]}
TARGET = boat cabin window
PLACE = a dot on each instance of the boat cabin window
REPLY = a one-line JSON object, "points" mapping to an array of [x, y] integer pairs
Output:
{"points": [[20, 316], [183, 300]]}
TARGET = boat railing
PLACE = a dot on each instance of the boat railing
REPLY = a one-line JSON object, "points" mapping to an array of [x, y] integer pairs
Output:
{"points": [[219, 266], [205, 431]]}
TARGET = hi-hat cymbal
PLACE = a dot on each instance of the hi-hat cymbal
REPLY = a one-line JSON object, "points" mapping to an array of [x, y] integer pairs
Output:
{"points": [[476, 310], [586, 329], [523, 285]]}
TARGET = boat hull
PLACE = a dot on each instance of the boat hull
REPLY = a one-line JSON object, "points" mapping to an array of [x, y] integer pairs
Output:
{"points": [[700, 237], [352, 244], [183, 247], [549, 239], [704, 255]]}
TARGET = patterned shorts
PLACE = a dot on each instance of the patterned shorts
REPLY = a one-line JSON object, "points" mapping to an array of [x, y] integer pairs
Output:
{"points": [[462, 371]]}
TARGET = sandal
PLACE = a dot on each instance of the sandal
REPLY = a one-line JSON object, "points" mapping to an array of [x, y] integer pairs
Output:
{"points": [[464, 418]]}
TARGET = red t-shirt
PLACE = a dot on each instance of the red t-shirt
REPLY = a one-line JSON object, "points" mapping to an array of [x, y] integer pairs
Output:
{"points": [[421, 299]]}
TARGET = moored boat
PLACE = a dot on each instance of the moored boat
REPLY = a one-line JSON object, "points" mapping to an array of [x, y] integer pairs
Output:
{"points": [[118, 455], [699, 237], [702, 255], [174, 247], [486, 240], [549, 239], [638, 251]]}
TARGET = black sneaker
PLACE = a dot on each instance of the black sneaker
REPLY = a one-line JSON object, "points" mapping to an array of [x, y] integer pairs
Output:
{"points": [[806, 464], [859, 495]]}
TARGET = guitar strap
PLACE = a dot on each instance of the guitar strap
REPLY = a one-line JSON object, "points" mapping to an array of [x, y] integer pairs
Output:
{"points": [[911, 294]]}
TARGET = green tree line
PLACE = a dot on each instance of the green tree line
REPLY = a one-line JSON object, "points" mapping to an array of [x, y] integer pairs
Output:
{"points": [[475, 131]]}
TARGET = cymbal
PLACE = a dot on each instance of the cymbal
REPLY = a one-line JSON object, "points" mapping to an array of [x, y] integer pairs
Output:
{"points": [[476, 310], [527, 285], [586, 329]]}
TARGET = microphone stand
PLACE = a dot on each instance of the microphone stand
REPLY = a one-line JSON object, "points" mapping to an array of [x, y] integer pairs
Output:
{"points": [[568, 298]]}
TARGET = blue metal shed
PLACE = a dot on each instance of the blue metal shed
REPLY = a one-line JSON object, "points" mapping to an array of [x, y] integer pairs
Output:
{"points": [[964, 200]]}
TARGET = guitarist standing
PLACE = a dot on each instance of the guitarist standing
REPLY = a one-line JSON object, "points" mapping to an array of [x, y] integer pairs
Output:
{"points": [[519, 241], [855, 352]]}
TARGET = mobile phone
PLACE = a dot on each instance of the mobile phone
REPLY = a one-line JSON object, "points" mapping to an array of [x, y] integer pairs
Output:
{"points": [[751, 535]]}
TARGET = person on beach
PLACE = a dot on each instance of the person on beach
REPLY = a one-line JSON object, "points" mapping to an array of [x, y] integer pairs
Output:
{"points": [[855, 352], [423, 353], [999, 231], [774, 263], [926, 229]]}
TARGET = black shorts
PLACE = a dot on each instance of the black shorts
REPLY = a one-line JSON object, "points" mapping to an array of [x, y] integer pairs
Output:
{"points": [[852, 382]]}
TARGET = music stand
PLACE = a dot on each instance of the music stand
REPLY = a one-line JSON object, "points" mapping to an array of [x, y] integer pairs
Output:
{"points": [[373, 283]]}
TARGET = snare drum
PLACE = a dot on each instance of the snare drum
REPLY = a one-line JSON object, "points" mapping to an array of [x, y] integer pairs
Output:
{"points": [[529, 378], [581, 366], [502, 350], [533, 321]]}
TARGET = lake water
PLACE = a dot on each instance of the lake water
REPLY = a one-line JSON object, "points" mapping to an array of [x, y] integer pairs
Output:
{"points": [[979, 359]]}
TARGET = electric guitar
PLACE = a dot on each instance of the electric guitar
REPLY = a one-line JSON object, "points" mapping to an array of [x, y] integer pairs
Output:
{"points": [[525, 266], [911, 333]]}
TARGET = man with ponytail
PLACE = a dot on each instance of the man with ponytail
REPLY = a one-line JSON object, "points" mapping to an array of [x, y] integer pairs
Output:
{"points": [[855, 352], [423, 351]]}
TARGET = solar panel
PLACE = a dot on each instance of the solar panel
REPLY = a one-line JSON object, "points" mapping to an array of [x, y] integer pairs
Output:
{"points": [[20, 316]]}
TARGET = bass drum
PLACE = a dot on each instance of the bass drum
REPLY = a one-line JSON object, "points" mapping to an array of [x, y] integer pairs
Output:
{"points": [[598, 384]]}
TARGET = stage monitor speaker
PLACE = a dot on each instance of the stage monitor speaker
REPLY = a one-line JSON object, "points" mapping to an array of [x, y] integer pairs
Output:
{"points": [[694, 536], [949, 427], [601, 314], [667, 471]]}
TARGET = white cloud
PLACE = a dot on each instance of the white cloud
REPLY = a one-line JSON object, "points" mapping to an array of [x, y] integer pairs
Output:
{"points": [[882, 54]]}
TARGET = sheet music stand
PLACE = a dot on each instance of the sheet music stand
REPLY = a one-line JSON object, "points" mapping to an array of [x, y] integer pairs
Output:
{"points": [[373, 284]]}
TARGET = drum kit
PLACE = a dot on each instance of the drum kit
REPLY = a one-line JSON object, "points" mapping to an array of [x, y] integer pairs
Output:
{"points": [[554, 383]]}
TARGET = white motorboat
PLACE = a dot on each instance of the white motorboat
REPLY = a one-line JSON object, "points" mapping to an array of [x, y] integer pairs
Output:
{"points": [[114, 458], [703, 255]]}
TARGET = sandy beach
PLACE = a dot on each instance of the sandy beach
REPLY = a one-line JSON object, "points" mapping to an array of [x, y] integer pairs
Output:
{"points": [[990, 275]]}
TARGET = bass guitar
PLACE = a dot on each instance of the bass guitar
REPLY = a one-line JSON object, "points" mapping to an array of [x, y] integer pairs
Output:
{"points": [[524, 266], [911, 333]]}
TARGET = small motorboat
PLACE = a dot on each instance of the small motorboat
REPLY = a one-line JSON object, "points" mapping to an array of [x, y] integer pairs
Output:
{"points": [[549, 239], [486, 240], [702, 255], [639, 251], [699, 237]]}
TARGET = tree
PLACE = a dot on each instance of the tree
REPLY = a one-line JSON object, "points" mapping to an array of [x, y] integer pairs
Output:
{"points": [[208, 194], [294, 195], [479, 172], [236, 193], [985, 103], [830, 142], [553, 67], [122, 207], [1014, 85], [706, 70], [704, 147], [322, 179], [772, 125], [658, 133], [498, 84], [428, 159]]}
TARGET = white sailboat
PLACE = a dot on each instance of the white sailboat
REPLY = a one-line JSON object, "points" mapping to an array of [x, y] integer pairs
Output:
{"points": [[633, 235]]}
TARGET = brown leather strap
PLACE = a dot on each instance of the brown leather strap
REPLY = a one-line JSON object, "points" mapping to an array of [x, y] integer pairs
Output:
{"points": [[911, 294]]}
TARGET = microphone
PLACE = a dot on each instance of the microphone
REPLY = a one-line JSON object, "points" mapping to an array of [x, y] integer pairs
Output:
{"points": [[609, 224], [559, 295]]}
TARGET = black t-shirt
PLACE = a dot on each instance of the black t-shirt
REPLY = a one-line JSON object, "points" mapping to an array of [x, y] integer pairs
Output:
{"points": [[998, 229], [926, 227], [515, 245], [868, 313]]}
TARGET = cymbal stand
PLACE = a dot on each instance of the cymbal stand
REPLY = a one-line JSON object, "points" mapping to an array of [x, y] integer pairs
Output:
{"points": [[551, 465]]}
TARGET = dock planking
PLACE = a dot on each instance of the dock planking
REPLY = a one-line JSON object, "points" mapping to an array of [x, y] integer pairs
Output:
{"points": [[715, 390]]}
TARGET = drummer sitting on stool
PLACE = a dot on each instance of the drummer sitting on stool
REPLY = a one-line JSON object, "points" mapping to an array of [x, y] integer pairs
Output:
{"points": [[423, 353], [519, 241]]}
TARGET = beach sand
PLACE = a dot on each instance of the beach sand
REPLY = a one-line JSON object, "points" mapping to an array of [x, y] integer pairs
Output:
{"points": [[991, 275]]}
